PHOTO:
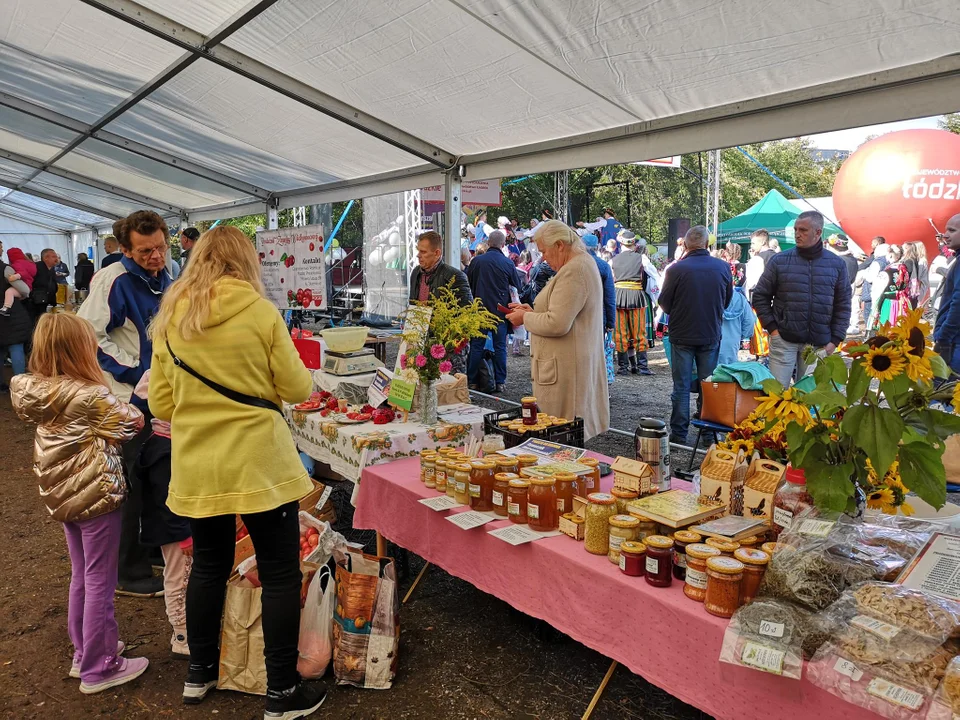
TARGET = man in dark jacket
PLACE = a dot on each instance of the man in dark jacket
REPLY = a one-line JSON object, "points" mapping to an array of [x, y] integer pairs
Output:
{"points": [[695, 292], [188, 238], [803, 298], [83, 272], [946, 331], [491, 276], [44, 292]]}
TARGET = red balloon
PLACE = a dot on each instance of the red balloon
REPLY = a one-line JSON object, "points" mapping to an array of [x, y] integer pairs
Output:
{"points": [[894, 185]]}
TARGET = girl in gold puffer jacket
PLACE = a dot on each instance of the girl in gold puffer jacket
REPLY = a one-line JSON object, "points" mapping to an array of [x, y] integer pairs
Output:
{"points": [[78, 463]]}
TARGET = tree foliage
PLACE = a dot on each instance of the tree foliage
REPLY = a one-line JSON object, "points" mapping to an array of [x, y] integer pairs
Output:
{"points": [[950, 122]]}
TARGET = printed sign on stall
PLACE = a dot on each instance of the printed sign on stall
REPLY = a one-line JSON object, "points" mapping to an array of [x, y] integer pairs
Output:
{"points": [[293, 267]]}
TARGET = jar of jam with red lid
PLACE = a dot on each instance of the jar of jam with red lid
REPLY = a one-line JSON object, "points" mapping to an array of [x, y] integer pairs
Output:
{"points": [[528, 410], [659, 561], [682, 538]]}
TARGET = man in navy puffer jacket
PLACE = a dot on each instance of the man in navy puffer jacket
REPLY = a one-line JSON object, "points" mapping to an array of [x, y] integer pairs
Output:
{"points": [[803, 298]]}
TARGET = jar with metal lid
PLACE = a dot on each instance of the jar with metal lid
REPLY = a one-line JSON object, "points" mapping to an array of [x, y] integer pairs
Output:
{"points": [[427, 466], [695, 582], [749, 542], [646, 528], [517, 500], [726, 547], [527, 461], [600, 508], [566, 484], [622, 528], [769, 548], [682, 538], [754, 566], [632, 556], [492, 443], [461, 477], [590, 482], [623, 497], [439, 474], [542, 512], [481, 485], [447, 450], [724, 577], [659, 563], [501, 487], [508, 464], [528, 410]]}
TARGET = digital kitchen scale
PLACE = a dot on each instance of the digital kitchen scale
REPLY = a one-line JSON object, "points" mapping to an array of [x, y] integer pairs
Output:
{"points": [[351, 363]]}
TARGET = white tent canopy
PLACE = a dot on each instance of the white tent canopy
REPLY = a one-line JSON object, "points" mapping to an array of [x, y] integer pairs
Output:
{"points": [[220, 108]]}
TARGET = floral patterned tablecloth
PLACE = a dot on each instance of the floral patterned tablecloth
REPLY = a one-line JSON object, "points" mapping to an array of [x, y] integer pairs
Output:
{"points": [[347, 449]]}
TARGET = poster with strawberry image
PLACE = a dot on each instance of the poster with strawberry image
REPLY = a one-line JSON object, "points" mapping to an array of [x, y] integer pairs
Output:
{"points": [[293, 267]]}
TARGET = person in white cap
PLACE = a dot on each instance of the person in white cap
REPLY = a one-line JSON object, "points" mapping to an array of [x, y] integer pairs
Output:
{"points": [[636, 279]]}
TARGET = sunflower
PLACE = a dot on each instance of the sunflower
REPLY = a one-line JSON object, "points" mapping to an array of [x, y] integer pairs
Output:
{"points": [[883, 363], [913, 331], [907, 509], [881, 499], [736, 446], [918, 367], [783, 409]]}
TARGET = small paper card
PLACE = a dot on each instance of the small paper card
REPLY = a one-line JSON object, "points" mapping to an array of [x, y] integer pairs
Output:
{"points": [[443, 502], [401, 393], [818, 528], [771, 629], [877, 627], [845, 667], [379, 389], [520, 534], [893, 693], [323, 498], [763, 658], [469, 519], [936, 568]]}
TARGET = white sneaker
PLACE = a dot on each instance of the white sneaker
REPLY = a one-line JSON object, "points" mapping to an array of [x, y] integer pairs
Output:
{"points": [[129, 670], [75, 666]]}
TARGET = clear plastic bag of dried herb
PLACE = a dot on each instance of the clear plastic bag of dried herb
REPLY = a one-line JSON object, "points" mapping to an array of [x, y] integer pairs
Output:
{"points": [[765, 635]]}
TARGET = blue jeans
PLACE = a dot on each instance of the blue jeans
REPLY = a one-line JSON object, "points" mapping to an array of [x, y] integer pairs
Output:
{"points": [[682, 360], [499, 355], [17, 358]]}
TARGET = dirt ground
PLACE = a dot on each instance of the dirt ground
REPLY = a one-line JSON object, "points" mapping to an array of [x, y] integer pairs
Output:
{"points": [[464, 654]]}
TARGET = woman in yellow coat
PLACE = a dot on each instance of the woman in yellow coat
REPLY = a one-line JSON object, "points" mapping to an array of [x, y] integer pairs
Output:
{"points": [[233, 455]]}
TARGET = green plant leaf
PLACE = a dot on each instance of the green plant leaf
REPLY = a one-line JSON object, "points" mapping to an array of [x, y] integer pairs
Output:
{"points": [[838, 369], [896, 387], [830, 485], [858, 383], [826, 399], [799, 442], [877, 431], [772, 386], [921, 467], [941, 424], [939, 366]]}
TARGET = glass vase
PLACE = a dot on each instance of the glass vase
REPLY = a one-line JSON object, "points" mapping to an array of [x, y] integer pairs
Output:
{"points": [[428, 403]]}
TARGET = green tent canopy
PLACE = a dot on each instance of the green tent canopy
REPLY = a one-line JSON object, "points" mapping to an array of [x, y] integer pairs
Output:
{"points": [[773, 213]]}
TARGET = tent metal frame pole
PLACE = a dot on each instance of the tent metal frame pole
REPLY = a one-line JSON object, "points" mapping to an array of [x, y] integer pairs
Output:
{"points": [[69, 203], [452, 209], [5, 201], [37, 223], [273, 216]]}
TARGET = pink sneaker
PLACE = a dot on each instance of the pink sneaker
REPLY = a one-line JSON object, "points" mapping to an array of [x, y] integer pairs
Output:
{"points": [[128, 670], [75, 667]]}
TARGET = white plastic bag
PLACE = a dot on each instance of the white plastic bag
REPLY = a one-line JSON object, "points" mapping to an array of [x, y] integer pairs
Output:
{"points": [[316, 626]]}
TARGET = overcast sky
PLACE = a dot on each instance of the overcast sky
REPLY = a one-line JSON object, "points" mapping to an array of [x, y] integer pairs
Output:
{"points": [[852, 139]]}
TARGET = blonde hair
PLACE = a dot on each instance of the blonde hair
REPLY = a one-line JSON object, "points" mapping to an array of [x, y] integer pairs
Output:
{"points": [[554, 232], [65, 346], [221, 252]]}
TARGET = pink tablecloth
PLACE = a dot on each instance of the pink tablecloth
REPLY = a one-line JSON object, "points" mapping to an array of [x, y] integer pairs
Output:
{"points": [[658, 633]]}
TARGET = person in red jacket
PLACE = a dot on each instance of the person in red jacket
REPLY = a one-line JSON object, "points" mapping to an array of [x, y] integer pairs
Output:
{"points": [[25, 271]]}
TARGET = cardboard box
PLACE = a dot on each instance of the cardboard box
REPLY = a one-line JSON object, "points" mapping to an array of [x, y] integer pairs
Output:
{"points": [[575, 528], [633, 475]]}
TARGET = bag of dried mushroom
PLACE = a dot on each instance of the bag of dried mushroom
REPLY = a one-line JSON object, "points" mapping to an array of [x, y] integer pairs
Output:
{"points": [[889, 650]]}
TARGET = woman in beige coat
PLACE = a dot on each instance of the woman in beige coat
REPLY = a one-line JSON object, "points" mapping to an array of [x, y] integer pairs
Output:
{"points": [[566, 332]]}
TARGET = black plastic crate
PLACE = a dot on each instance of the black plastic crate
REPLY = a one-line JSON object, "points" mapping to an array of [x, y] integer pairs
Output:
{"points": [[570, 433]]}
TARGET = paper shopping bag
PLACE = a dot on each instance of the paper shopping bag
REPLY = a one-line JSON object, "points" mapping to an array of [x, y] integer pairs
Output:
{"points": [[242, 666]]}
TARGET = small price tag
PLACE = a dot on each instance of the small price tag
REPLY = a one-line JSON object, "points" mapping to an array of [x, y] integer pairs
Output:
{"points": [[763, 658], [653, 565], [697, 579], [818, 528], [469, 519], [877, 627], [845, 667], [782, 517], [623, 563], [895, 694], [771, 629], [324, 496], [438, 504]]}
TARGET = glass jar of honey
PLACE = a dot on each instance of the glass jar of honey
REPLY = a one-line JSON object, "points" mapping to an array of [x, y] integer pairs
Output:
{"points": [[527, 461], [501, 487], [427, 466], [623, 497], [528, 410], [622, 528], [482, 473], [632, 557], [682, 538], [724, 577], [600, 508], [461, 492], [517, 500], [542, 512], [507, 464], [695, 582], [754, 566], [659, 562], [451, 481], [566, 483], [439, 473], [590, 482], [726, 547]]}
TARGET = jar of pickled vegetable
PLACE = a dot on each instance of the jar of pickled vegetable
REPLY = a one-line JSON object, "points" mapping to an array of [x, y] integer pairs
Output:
{"points": [[501, 487], [439, 473], [695, 582], [528, 410], [646, 528], [492, 443], [566, 484], [527, 461], [724, 577], [517, 500], [726, 547], [461, 491], [481, 485], [682, 538], [623, 497], [769, 548], [427, 466], [622, 528], [659, 562], [590, 482], [754, 566], [542, 512], [632, 557], [507, 464], [600, 508]]}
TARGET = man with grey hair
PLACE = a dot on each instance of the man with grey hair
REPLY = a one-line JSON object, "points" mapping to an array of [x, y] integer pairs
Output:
{"points": [[694, 295], [803, 298]]}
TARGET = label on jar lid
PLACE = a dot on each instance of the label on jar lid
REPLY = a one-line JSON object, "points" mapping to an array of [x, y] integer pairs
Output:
{"points": [[498, 498], [877, 627], [895, 694], [763, 658], [533, 511], [653, 565], [474, 490], [783, 518], [818, 528], [696, 578], [771, 629], [513, 508]]}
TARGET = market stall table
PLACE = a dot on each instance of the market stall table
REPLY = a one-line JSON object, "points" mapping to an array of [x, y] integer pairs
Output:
{"points": [[659, 634]]}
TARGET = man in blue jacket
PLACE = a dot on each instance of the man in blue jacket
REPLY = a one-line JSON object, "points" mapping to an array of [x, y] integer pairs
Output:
{"points": [[803, 298], [946, 331], [491, 276], [694, 295]]}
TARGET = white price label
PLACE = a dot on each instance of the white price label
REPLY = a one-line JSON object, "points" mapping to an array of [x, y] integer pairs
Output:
{"points": [[696, 578], [470, 519], [498, 498], [513, 508], [615, 542], [324, 496], [653, 565], [845, 667], [680, 559], [462, 488], [783, 518], [533, 511], [877, 627], [895, 694], [474, 490], [623, 563], [819, 528], [771, 629], [437, 504], [763, 658]]}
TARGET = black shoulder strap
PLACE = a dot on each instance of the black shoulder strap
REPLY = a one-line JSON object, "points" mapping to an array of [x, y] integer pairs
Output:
{"points": [[225, 391]]}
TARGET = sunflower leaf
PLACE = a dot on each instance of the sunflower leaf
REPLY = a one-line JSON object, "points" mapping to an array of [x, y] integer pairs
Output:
{"points": [[799, 442], [772, 386], [838, 369], [830, 485], [858, 383], [940, 423], [921, 468], [896, 387], [826, 399], [877, 431], [939, 366]]}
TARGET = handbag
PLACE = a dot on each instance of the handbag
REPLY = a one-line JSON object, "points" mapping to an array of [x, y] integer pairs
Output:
{"points": [[726, 403], [225, 391]]}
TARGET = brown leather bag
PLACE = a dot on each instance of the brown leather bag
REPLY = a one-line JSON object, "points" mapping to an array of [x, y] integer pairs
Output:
{"points": [[726, 403]]}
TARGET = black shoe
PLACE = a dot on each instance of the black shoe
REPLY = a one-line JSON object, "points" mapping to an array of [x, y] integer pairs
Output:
{"points": [[677, 441], [150, 587], [622, 370], [646, 371], [634, 370], [500, 388], [297, 702], [5, 312], [201, 679]]}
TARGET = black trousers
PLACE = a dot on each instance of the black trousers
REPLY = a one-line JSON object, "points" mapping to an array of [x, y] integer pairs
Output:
{"points": [[276, 540], [134, 561]]}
